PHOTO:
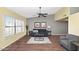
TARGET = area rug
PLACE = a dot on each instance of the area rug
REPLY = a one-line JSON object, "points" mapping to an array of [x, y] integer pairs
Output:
{"points": [[34, 40]]}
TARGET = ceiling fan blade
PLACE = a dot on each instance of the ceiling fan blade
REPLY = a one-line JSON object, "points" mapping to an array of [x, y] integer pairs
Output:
{"points": [[44, 15]]}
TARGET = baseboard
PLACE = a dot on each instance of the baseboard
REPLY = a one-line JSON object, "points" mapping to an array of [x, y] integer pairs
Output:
{"points": [[59, 34]]}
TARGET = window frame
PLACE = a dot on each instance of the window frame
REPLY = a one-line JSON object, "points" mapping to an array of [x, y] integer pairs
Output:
{"points": [[14, 30]]}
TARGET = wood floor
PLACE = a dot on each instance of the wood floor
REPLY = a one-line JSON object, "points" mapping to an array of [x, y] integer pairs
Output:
{"points": [[21, 45]]}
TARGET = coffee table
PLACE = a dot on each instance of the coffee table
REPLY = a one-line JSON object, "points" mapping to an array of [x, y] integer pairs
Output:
{"points": [[38, 38]]}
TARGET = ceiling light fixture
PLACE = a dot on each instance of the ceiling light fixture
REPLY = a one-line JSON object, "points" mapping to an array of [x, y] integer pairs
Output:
{"points": [[42, 14]]}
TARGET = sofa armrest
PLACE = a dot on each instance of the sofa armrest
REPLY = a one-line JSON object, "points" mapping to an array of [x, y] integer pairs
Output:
{"points": [[63, 37]]}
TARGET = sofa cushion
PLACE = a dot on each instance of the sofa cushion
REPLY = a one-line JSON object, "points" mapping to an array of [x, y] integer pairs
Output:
{"points": [[71, 37]]}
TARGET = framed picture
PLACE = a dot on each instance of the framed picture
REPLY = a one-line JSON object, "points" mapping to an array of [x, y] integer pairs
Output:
{"points": [[37, 24], [43, 24]]}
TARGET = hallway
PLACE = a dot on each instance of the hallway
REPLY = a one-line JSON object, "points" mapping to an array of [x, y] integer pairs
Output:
{"points": [[21, 45]]}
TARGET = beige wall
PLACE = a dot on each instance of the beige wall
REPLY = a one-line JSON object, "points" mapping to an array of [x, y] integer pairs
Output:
{"points": [[5, 41], [61, 14], [73, 24]]}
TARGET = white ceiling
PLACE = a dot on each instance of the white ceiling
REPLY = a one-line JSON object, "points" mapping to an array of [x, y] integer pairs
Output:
{"points": [[30, 12]]}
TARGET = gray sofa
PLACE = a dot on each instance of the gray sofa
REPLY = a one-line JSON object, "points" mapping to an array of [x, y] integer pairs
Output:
{"points": [[66, 41]]}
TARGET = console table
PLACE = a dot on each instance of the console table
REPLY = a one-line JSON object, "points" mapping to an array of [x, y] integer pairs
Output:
{"points": [[38, 38]]}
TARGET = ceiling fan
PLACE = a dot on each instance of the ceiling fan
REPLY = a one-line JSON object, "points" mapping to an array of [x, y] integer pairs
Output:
{"points": [[42, 14]]}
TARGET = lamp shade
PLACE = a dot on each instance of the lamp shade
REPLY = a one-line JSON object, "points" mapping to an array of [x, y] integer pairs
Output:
{"points": [[49, 27]]}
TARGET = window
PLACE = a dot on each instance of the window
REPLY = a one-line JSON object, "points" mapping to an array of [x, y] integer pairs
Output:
{"points": [[13, 26], [18, 26], [9, 26], [22, 23]]}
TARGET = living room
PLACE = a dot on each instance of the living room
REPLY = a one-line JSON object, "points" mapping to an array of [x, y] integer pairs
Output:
{"points": [[39, 29], [45, 30]]}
